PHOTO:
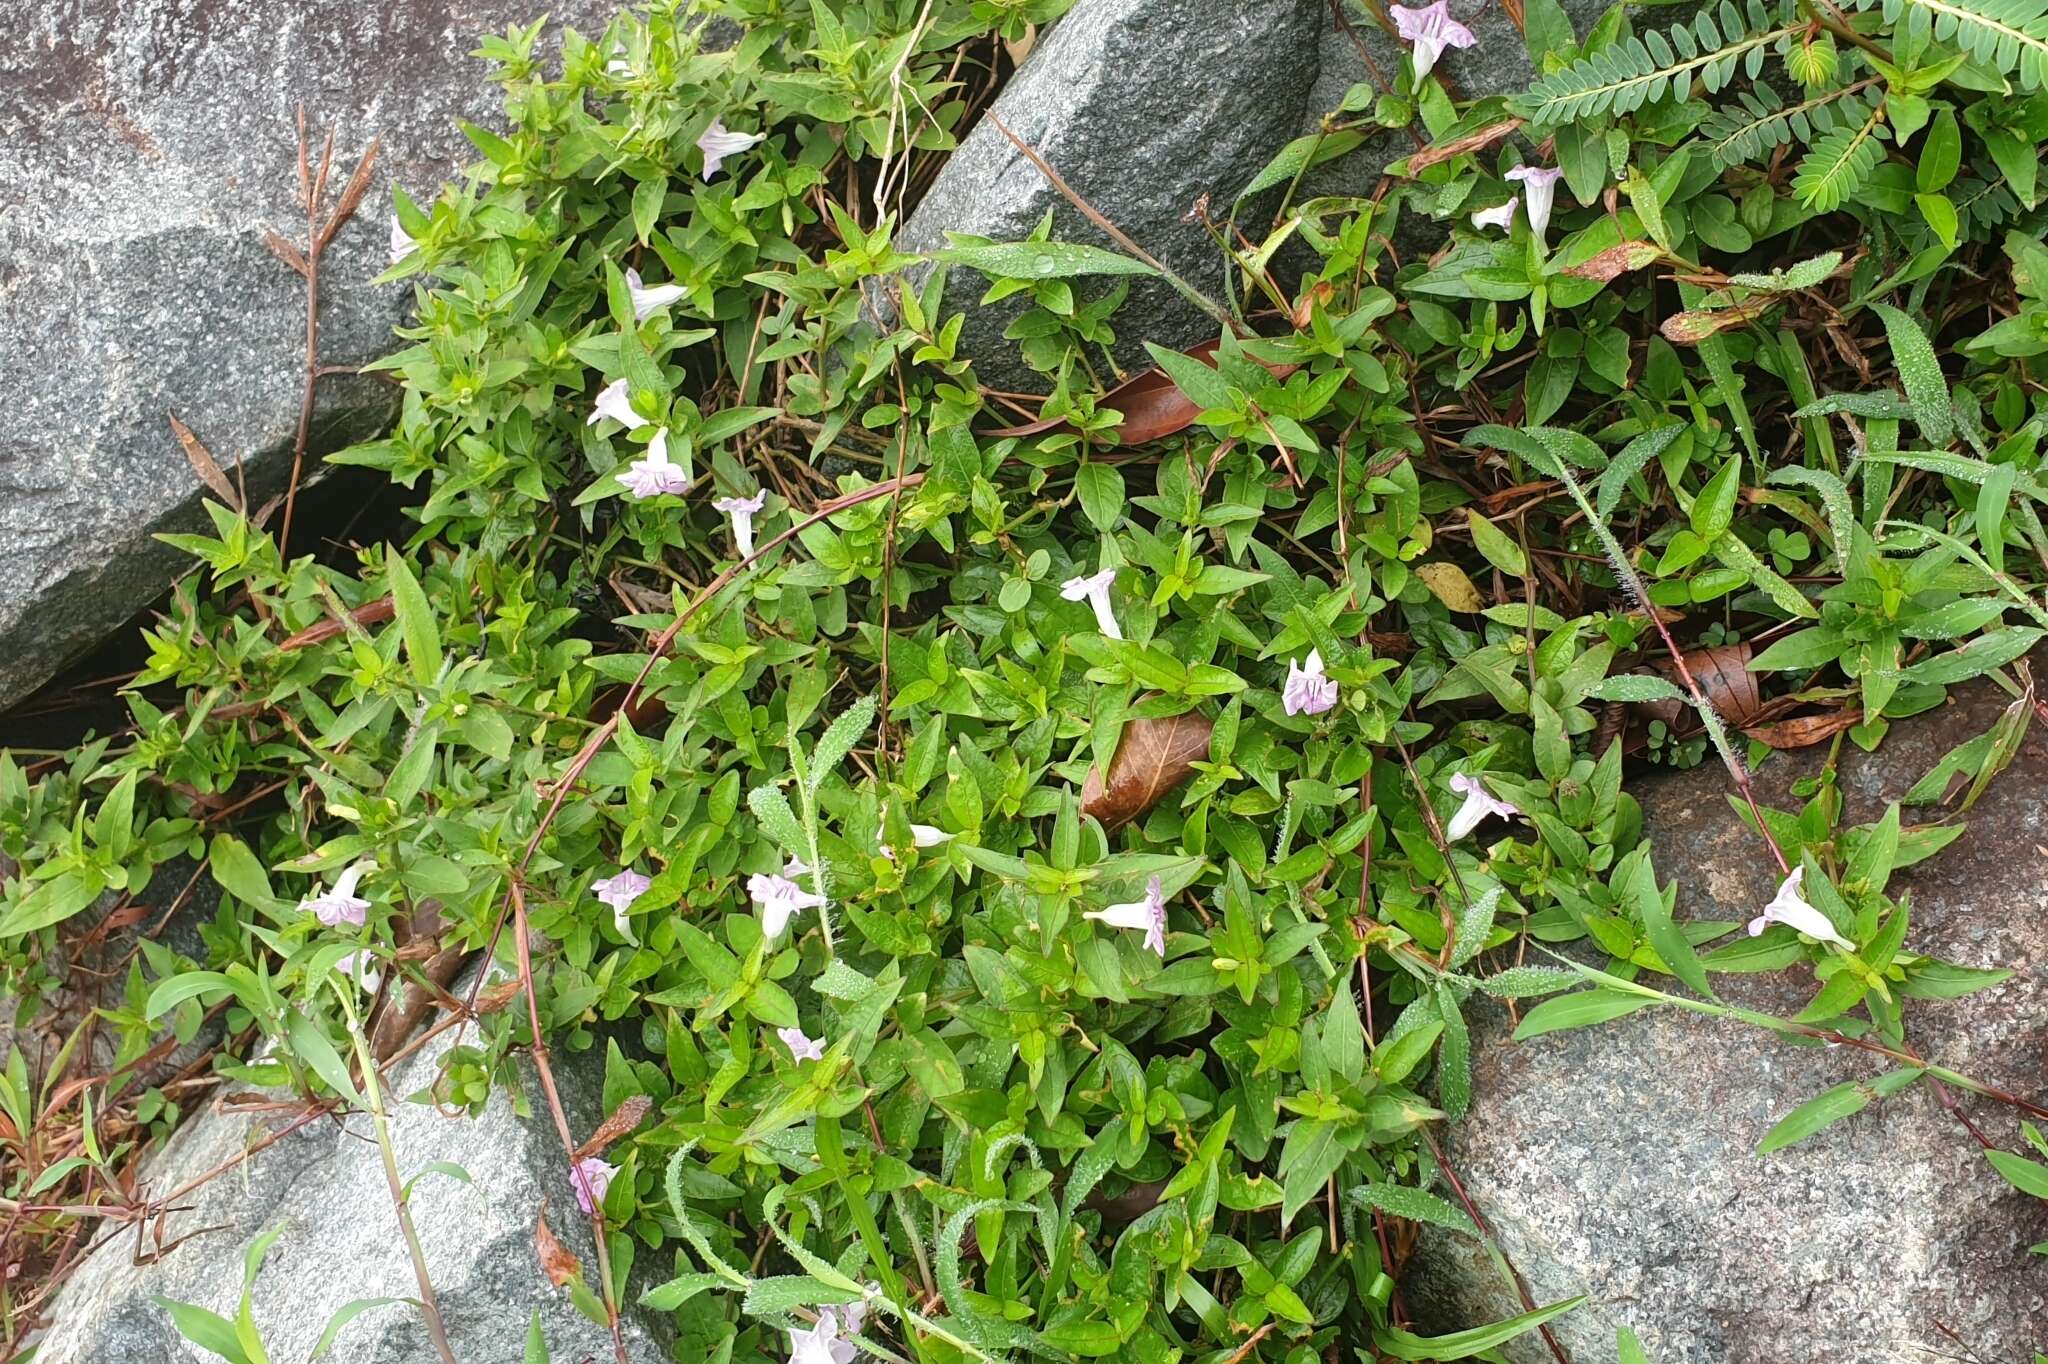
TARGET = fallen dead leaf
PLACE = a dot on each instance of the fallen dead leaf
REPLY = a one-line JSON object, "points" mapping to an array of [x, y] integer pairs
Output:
{"points": [[1154, 756], [1802, 730], [1451, 587], [1724, 679]]}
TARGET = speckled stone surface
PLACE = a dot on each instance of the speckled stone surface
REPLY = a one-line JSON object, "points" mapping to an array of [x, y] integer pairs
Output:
{"points": [[1619, 1161], [144, 148], [325, 1185]]}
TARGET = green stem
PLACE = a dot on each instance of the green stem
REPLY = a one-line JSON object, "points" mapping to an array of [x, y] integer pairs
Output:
{"points": [[373, 1091]]}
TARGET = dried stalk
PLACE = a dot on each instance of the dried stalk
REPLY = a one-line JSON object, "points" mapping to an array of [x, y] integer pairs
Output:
{"points": [[319, 233]]}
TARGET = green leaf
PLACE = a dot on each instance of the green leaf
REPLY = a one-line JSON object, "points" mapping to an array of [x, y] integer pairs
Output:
{"points": [[1635, 687], [679, 1290], [172, 991], [52, 902], [1204, 387], [1413, 1205], [1581, 1010], [839, 739], [1101, 489], [1546, 28], [238, 872], [1920, 372], [1831, 1106], [1042, 260], [1673, 948], [2028, 1176], [1465, 1344], [415, 617], [1500, 551], [208, 1330], [345, 1314], [310, 1046], [1713, 509]]}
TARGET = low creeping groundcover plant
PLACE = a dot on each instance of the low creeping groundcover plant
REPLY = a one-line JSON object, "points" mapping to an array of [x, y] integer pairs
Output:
{"points": [[1027, 891]]}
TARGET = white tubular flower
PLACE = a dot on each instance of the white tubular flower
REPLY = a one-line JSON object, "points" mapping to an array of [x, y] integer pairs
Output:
{"points": [[1479, 804], [616, 402], [1788, 906], [1094, 589], [646, 301], [1539, 191]]}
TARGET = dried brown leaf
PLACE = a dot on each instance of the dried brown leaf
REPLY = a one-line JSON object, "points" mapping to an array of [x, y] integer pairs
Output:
{"points": [[1691, 328], [352, 193], [1803, 730], [1616, 260], [497, 996], [285, 251], [369, 613], [556, 1262], [203, 463], [1724, 679], [1155, 755], [623, 1119], [1458, 146]]}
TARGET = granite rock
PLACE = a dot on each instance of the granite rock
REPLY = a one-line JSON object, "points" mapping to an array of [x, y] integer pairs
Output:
{"points": [[1619, 1161], [144, 149], [325, 1185], [1144, 107]]}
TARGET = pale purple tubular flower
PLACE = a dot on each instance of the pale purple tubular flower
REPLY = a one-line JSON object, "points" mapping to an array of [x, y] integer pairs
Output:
{"points": [[1479, 804], [591, 1177], [717, 143], [1502, 216], [616, 402], [402, 244], [342, 905], [1429, 31], [824, 1343], [1094, 589], [794, 868], [779, 898], [1308, 690], [1788, 906], [655, 473], [646, 301], [620, 892], [361, 967], [1539, 190], [801, 1048], [742, 511], [820, 1344], [1148, 914]]}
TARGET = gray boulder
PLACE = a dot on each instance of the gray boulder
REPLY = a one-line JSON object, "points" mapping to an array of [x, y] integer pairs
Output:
{"points": [[1144, 107], [144, 148], [325, 1184], [1619, 1161]]}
